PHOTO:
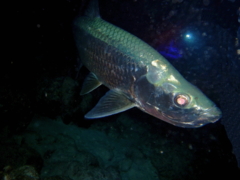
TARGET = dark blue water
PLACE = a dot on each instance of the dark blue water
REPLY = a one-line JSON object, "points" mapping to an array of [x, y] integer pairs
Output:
{"points": [[42, 114]]}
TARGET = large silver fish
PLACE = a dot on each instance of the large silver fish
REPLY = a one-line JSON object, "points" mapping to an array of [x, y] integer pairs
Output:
{"points": [[137, 76]]}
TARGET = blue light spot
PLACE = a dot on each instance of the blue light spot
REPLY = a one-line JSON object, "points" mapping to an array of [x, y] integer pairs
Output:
{"points": [[188, 36]]}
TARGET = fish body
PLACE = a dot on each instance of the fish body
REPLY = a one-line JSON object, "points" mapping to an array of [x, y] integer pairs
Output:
{"points": [[137, 76]]}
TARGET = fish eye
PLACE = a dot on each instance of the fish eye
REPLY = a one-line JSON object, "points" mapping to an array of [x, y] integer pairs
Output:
{"points": [[181, 100]]}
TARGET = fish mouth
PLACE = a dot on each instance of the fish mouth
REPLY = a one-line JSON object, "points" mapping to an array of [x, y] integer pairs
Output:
{"points": [[212, 114], [196, 119]]}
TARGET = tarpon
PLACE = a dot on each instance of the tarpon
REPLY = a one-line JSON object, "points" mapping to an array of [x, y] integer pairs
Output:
{"points": [[136, 74]]}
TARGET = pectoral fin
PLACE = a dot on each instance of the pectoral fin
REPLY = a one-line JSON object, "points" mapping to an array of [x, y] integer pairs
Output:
{"points": [[90, 83], [111, 103]]}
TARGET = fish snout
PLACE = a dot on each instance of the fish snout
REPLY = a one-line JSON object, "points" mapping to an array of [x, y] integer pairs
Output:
{"points": [[213, 114], [210, 115]]}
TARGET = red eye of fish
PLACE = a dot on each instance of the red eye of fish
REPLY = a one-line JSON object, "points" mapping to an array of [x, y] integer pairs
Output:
{"points": [[181, 100]]}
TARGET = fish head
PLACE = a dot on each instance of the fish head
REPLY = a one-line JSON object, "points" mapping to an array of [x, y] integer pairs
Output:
{"points": [[165, 94]]}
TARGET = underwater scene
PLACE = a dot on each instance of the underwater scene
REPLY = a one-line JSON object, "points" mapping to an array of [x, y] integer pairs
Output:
{"points": [[121, 90]]}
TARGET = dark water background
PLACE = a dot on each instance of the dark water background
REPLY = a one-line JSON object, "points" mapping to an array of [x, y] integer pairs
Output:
{"points": [[40, 78]]}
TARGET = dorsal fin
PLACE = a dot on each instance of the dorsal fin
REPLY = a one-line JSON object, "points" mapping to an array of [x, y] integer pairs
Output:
{"points": [[92, 9]]}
